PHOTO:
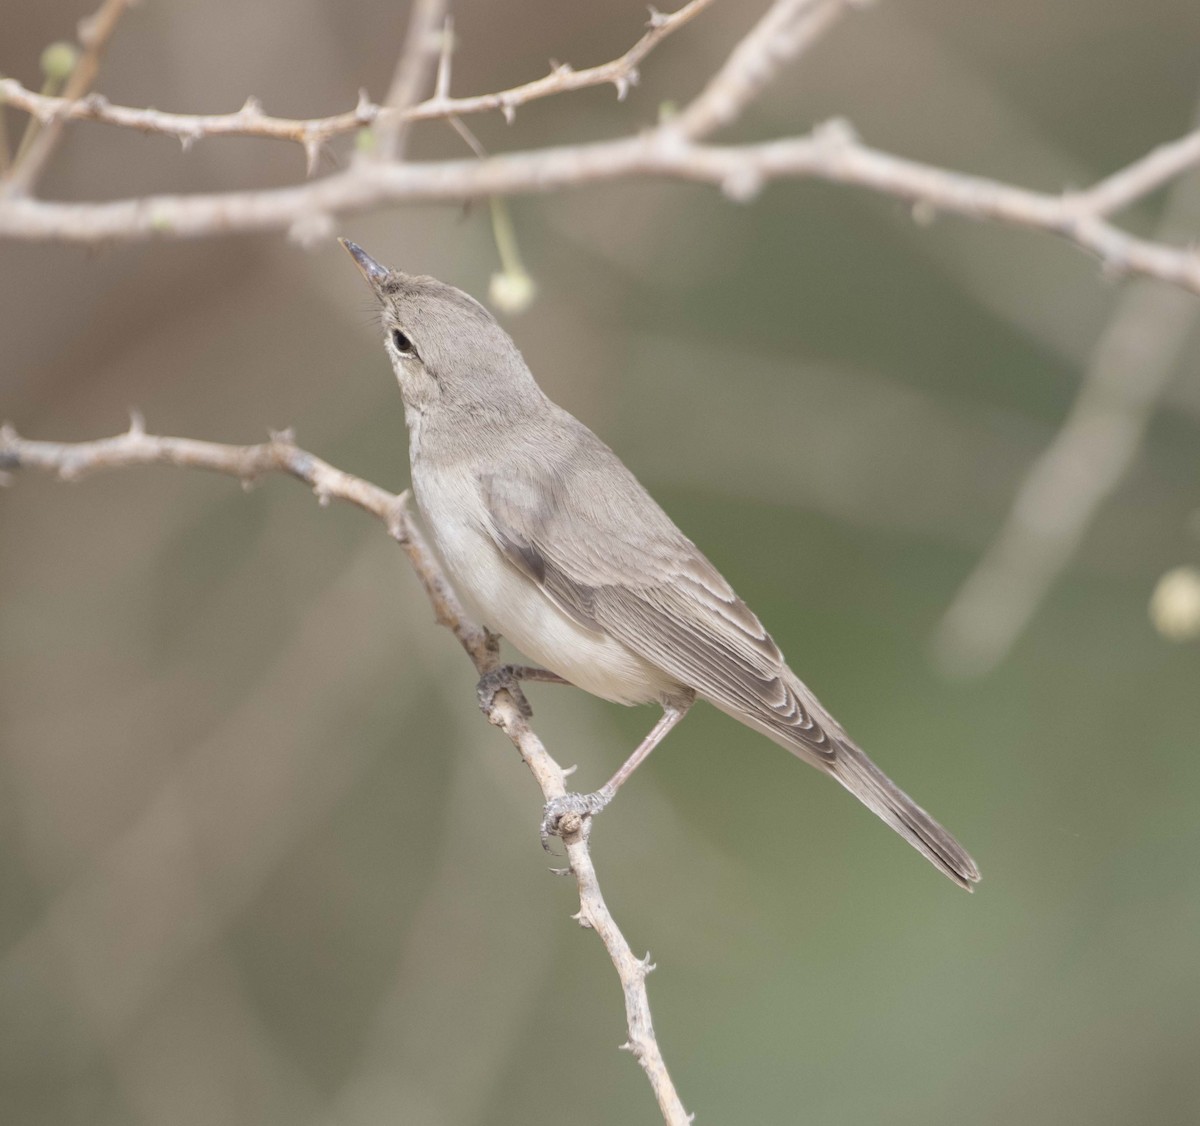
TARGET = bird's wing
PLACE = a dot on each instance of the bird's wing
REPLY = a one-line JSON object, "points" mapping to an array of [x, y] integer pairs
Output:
{"points": [[565, 522], [567, 526]]}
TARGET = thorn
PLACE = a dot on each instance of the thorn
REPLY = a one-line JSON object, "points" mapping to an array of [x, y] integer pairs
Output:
{"points": [[1115, 267], [742, 185], [569, 770], [312, 154], [365, 110], [627, 1047], [312, 229], [622, 83], [657, 19], [836, 131], [187, 140], [284, 437], [322, 495], [252, 107], [645, 965], [441, 85], [137, 423], [560, 871], [509, 111]]}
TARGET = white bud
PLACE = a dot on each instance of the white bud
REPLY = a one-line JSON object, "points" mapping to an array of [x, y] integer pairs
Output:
{"points": [[1175, 604], [511, 292]]}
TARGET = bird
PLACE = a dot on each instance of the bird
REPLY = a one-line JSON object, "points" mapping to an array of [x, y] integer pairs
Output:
{"points": [[556, 545]]}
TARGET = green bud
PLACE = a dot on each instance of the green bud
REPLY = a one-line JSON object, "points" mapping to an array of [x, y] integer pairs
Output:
{"points": [[58, 60]]}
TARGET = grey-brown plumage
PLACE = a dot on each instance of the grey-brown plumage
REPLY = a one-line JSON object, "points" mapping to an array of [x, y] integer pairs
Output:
{"points": [[561, 549]]}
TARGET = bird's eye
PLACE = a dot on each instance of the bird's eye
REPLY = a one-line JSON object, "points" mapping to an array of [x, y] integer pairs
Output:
{"points": [[401, 343]]}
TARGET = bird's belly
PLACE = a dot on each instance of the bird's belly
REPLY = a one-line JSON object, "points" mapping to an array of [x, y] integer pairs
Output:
{"points": [[514, 606]]}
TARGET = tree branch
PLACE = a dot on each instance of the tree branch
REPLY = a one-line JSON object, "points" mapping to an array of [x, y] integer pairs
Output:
{"points": [[672, 150], [830, 153], [250, 121], [413, 71], [785, 31], [1130, 368], [72, 460]]}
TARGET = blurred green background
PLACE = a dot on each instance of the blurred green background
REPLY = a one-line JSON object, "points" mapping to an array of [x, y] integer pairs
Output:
{"points": [[260, 859]]}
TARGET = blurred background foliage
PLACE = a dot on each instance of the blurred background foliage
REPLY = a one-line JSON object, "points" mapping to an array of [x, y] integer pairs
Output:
{"points": [[260, 860]]}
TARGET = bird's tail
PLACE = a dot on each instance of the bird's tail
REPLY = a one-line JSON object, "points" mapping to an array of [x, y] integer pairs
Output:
{"points": [[882, 796]]}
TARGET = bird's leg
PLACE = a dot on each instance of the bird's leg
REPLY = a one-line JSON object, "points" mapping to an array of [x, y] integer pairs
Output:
{"points": [[507, 678], [585, 805]]}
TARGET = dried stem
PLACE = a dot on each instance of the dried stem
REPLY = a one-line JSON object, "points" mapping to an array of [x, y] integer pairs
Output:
{"points": [[73, 460]]}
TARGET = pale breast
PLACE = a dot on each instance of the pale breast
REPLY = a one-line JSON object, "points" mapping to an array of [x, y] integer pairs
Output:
{"points": [[513, 605]]}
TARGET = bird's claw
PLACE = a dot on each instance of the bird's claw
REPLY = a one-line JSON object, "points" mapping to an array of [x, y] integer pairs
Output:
{"points": [[501, 679], [567, 815]]}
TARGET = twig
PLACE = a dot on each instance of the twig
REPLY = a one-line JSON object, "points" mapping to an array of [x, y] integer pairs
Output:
{"points": [[1132, 364], [785, 31], [413, 71], [250, 121], [70, 461], [94, 34], [831, 153]]}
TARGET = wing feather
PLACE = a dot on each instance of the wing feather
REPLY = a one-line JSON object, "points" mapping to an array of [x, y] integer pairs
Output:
{"points": [[656, 593]]}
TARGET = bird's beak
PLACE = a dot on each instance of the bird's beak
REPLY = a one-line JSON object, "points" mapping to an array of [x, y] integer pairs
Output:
{"points": [[375, 274]]}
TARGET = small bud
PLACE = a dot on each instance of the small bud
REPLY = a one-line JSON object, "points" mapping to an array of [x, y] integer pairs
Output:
{"points": [[742, 185], [924, 213], [1175, 604], [58, 60], [512, 292]]}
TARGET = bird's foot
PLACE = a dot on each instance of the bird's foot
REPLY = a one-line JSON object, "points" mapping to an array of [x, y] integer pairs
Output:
{"points": [[501, 679], [565, 816]]}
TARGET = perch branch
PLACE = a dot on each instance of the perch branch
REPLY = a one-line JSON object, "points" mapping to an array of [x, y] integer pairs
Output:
{"points": [[73, 460]]}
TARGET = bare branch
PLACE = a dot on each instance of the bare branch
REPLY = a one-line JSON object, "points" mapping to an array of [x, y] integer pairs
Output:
{"points": [[831, 153], [250, 121], [785, 31], [413, 72], [94, 34], [1133, 362], [1143, 176], [72, 460]]}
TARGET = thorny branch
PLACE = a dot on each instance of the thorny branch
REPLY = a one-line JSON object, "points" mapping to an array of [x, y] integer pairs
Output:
{"points": [[673, 149], [72, 460], [251, 121]]}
